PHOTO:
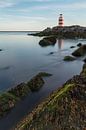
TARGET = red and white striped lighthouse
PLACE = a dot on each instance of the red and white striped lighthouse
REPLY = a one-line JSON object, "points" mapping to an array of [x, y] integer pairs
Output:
{"points": [[61, 21]]}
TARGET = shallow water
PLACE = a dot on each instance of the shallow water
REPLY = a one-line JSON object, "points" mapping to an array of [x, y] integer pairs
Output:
{"points": [[22, 57]]}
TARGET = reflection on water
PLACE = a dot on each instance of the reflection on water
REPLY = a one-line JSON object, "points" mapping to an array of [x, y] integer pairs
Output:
{"points": [[60, 43]]}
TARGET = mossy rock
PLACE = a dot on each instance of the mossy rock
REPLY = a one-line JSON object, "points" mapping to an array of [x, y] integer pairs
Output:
{"points": [[69, 58], [46, 41], [36, 83], [81, 51], [20, 90]]}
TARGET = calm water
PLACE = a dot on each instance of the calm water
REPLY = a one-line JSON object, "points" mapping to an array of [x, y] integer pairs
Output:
{"points": [[22, 58]]}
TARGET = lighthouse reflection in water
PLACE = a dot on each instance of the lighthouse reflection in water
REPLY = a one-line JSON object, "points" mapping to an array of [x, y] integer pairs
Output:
{"points": [[60, 43]]}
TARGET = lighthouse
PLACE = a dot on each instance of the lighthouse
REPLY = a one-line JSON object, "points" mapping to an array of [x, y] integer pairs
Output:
{"points": [[61, 21]]}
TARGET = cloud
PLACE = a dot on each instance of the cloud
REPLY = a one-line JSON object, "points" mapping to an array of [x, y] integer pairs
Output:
{"points": [[6, 3]]}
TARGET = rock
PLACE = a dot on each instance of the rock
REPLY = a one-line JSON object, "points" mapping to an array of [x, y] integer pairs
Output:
{"points": [[72, 47], [83, 73], [44, 74], [36, 83], [84, 60], [20, 90], [69, 58], [68, 32], [46, 41], [51, 53], [0, 49], [81, 51], [9, 99], [79, 44]]}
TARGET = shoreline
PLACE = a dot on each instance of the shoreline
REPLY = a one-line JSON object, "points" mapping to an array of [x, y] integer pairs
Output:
{"points": [[70, 85]]}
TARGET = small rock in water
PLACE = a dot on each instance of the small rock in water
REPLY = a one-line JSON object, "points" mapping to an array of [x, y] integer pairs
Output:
{"points": [[51, 53], [0, 49], [81, 51], [79, 44], [84, 60], [72, 47], [69, 58]]}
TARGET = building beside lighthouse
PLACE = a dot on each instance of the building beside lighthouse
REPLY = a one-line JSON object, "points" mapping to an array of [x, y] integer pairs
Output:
{"points": [[61, 21]]}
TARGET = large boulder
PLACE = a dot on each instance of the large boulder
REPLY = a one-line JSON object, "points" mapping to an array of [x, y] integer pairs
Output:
{"points": [[81, 51], [46, 41]]}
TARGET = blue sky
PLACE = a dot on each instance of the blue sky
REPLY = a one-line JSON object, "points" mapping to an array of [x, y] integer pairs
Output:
{"points": [[39, 14]]}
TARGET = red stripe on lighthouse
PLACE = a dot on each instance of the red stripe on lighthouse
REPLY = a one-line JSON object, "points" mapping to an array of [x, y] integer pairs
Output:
{"points": [[61, 20]]}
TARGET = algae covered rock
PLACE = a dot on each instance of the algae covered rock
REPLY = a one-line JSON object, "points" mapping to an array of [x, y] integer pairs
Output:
{"points": [[69, 58], [46, 41], [7, 102], [37, 82], [20, 90], [9, 99], [81, 51]]}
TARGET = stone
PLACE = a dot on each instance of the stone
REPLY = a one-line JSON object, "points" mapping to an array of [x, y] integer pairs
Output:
{"points": [[79, 44], [69, 58], [46, 41], [72, 47], [81, 51]]}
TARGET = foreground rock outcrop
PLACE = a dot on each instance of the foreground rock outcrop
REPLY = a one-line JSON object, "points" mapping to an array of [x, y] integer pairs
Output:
{"points": [[9, 99], [64, 109]]}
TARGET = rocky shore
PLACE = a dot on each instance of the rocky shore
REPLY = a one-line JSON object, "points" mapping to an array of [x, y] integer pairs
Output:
{"points": [[64, 109], [70, 32], [66, 32], [9, 99]]}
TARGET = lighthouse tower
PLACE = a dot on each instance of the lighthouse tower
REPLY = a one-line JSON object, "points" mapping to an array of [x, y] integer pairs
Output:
{"points": [[61, 21]]}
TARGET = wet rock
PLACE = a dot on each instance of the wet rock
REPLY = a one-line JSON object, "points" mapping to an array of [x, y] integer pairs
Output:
{"points": [[37, 82], [0, 49], [20, 90], [84, 60], [72, 47], [47, 41], [79, 44], [81, 51], [69, 58], [9, 99], [51, 53]]}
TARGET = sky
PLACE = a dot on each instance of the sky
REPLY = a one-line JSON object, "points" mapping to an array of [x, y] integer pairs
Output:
{"points": [[20, 15]]}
